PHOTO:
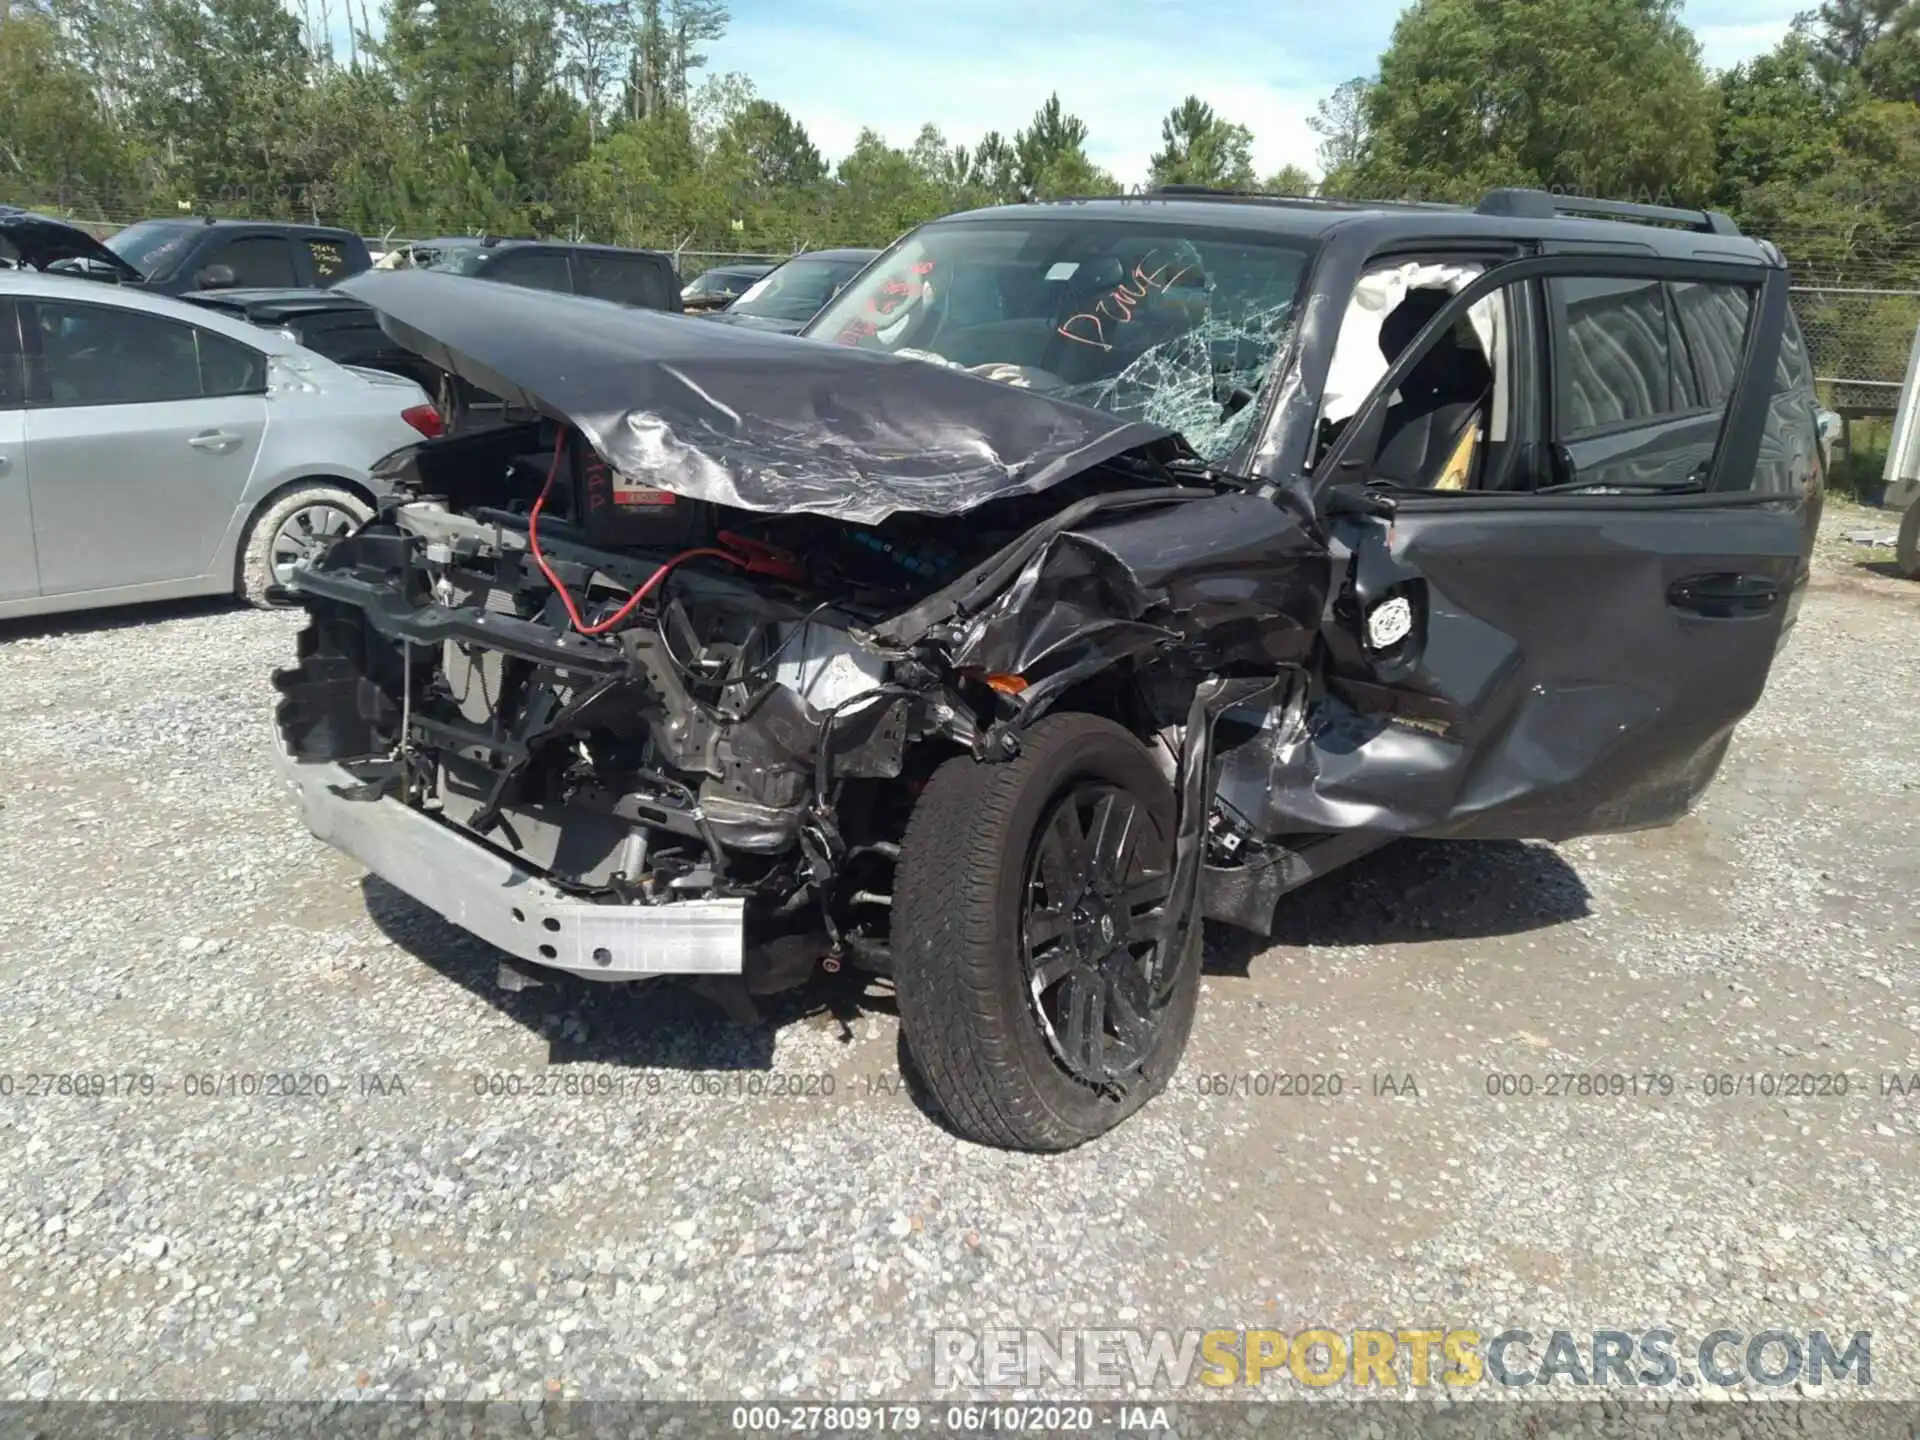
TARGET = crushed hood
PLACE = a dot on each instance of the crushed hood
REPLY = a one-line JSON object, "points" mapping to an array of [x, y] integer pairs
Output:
{"points": [[740, 417], [37, 241]]}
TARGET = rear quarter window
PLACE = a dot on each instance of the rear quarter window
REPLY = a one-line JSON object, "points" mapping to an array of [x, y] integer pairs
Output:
{"points": [[229, 368], [329, 258]]}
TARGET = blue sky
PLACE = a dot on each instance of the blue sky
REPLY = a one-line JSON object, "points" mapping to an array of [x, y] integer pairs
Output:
{"points": [[1120, 65]]}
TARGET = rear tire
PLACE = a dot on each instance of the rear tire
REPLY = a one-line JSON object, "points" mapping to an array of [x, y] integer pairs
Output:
{"points": [[1906, 549], [290, 526], [1029, 1000]]}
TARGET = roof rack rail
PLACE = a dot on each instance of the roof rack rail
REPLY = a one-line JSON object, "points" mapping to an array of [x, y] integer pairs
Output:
{"points": [[1268, 197], [1185, 189], [1541, 205]]}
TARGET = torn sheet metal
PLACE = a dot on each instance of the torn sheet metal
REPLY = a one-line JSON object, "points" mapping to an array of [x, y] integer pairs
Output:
{"points": [[1237, 575], [756, 421]]}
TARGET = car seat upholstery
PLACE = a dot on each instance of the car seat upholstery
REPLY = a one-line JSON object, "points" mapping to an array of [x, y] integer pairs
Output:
{"points": [[1439, 398]]}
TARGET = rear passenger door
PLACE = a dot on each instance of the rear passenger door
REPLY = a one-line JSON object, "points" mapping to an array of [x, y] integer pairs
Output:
{"points": [[19, 576], [142, 433], [1569, 653]]}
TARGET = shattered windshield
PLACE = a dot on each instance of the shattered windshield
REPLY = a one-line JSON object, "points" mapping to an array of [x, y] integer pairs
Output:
{"points": [[1174, 325]]}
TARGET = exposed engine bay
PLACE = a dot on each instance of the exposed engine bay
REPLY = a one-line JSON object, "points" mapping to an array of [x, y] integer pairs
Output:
{"points": [[649, 699]]}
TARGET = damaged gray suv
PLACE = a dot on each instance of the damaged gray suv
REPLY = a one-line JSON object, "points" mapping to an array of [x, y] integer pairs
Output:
{"points": [[1085, 570]]}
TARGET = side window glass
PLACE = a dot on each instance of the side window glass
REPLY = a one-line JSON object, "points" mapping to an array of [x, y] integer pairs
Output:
{"points": [[102, 355], [627, 281], [229, 368], [1715, 320], [1454, 421], [536, 270], [12, 380], [328, 261], [1617, 357], [257, 262], [1644, 373]]}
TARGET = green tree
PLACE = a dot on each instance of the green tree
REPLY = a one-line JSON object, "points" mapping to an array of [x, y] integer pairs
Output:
{"points": [[881, 192], [1289, 180], [1340, 120], [667, 37], [56, 139], [1602, 97], [115, 42], [1890, 69], [1845, 30], [595, 38], [995, 170], [773, 149], [1200, 148], [1050, 157], [1776, 127], [485, 77]]}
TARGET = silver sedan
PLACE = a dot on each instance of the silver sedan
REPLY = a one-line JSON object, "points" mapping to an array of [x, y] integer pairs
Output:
{"points": [[151, 449]]}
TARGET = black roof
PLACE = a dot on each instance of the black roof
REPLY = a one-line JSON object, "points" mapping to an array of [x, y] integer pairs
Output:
{"points": [[1516, 214]]}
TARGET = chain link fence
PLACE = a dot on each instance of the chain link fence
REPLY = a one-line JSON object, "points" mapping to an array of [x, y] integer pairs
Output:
{"points": [[1859, 338]]}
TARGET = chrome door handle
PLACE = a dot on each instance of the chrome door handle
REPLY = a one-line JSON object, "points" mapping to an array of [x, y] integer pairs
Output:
{"points": [[5, 461], [218, 441]]}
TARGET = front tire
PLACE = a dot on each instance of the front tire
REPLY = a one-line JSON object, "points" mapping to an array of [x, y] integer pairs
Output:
{"points": [[292, 527], [1034, 996]]}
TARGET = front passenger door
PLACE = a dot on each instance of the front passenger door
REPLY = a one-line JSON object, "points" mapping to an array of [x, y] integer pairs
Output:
{"points": [[1563, 655], [143, 433]]}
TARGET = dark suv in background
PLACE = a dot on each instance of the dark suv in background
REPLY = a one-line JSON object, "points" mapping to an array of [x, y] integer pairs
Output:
{"points": [[719, 287], [343, 329], [643, 278], [173, 257]]}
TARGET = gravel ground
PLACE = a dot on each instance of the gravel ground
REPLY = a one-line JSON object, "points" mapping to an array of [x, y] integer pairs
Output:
{"points": [[701, 1234]]}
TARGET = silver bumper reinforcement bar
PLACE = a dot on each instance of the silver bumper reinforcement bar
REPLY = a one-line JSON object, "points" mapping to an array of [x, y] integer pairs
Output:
{"points": [[505, 903]]}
